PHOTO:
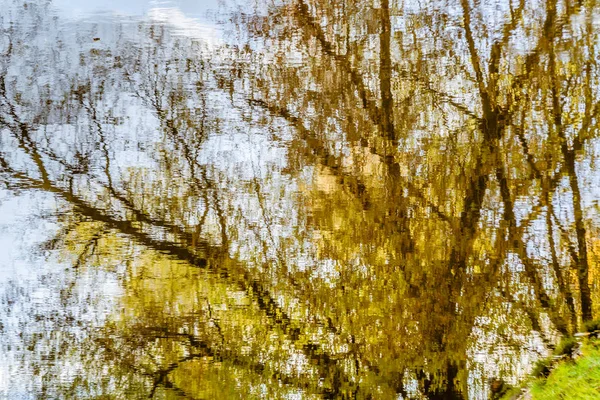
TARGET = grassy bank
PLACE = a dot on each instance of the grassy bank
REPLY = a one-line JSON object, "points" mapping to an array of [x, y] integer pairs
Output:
{"points": [[573, 377]]}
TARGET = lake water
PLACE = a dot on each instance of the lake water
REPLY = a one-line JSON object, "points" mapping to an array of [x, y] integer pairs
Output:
{"points": [[298, 199]]}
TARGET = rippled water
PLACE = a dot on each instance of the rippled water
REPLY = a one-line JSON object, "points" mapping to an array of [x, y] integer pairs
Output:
{"points": [[299, 199]]}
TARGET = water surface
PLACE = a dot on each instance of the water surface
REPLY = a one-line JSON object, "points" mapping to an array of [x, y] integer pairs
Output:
{"points": [[299, 199]]}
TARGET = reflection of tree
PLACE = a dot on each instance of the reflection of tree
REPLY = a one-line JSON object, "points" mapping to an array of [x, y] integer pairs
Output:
{"points": [[113, 203], [415, 136], [499, 149]]}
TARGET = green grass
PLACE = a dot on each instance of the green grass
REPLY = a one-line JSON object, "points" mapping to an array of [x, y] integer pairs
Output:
{"points": [[542, 367], [578, 380]]}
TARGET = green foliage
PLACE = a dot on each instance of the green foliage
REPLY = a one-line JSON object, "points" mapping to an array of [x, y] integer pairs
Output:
{"points": [[541, 368], [500, 389], [566, 346], [572, 380], [592, 326], [512, 393]]}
